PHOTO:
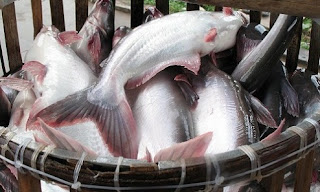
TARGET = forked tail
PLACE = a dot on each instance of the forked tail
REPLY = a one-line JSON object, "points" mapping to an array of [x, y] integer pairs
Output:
{"points": [[116, 125]]}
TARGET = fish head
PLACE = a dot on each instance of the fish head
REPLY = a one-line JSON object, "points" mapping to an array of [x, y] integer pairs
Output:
{"points": [[220, 30], [151, 13], [244, 18], [102, 15], [119, 33]]}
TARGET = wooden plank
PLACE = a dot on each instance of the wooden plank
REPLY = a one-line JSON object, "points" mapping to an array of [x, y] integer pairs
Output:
{"points": [[3, 67], [37, 16], [163, 6], [57, 14], [191, 7], [274, 182], [294, 49], [81, 13], [255, 16], [217, 8], [28, 183], [273, 18], [307, 8], [304, 173], [136, 13], [314, 51], [12, 38]]}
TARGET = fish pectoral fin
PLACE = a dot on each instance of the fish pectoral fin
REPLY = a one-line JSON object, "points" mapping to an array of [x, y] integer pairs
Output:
{"points": [[211, 35], [191, 62], [68, 37], [290, 98], [227, 11], [195, 147], [94, 46], [16, 83], [63, 141], [36, 69], [116, 125], [277, 132], [262, 114], [187, 90]]}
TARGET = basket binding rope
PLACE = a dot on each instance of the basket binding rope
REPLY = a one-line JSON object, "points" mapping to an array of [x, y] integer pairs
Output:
{"points": [[217, 182]]}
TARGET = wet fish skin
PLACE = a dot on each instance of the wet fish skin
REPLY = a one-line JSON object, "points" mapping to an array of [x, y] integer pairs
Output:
{"points": [[255, 68], [119, 34], [151, 13], [55, 69], [131, 64], [97, 33], [160, 100], [223, 109]]}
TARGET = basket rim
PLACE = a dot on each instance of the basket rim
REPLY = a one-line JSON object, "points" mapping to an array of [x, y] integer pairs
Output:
{"points": [[132, 172]]}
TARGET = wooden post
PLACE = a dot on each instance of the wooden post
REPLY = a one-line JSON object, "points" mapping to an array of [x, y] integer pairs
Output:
{"points": [[191, 7], [81, 13], [163, 6], [273, 18], [28, 183], [12, 38], [57, 15], [304, 173], [314, 52], [294, 49], [274, 182], [136, 13], [255, 16], [37, 16]]}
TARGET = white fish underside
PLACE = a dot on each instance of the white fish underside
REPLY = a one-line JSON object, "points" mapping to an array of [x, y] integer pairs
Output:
{"points": [[161, 114], [223, 110], [159, 43]]}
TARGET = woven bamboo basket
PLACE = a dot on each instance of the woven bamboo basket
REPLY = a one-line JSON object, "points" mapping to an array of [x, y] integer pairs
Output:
{"points": [[82, 172]]}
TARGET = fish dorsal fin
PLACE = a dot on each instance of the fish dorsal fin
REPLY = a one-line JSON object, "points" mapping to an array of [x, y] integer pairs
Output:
{"points": [[68, 37], [36, 69], [195, 147], [16, 83], [290, 98], [262, 114], [187, 90]]}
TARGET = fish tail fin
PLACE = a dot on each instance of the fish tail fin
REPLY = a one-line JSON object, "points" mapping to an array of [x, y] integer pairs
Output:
{"points": [[116, 124], [195, 147], [290, 98]]}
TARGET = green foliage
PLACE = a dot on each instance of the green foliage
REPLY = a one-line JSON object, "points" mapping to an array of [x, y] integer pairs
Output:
{"points": [[176, 6], [306, 32]]}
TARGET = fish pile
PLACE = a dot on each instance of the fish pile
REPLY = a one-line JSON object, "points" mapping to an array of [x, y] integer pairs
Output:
{"points": [[184, 85]]}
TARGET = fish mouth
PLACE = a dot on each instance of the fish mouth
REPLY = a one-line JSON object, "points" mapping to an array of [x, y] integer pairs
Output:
{"points": [[242, 16]]}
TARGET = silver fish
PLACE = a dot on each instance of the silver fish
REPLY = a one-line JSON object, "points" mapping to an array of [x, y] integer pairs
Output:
{"points": [[150, 14], [55, 69], [160, 100], [97, 33], [227, 110], [119, 34], [176, 39]]}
